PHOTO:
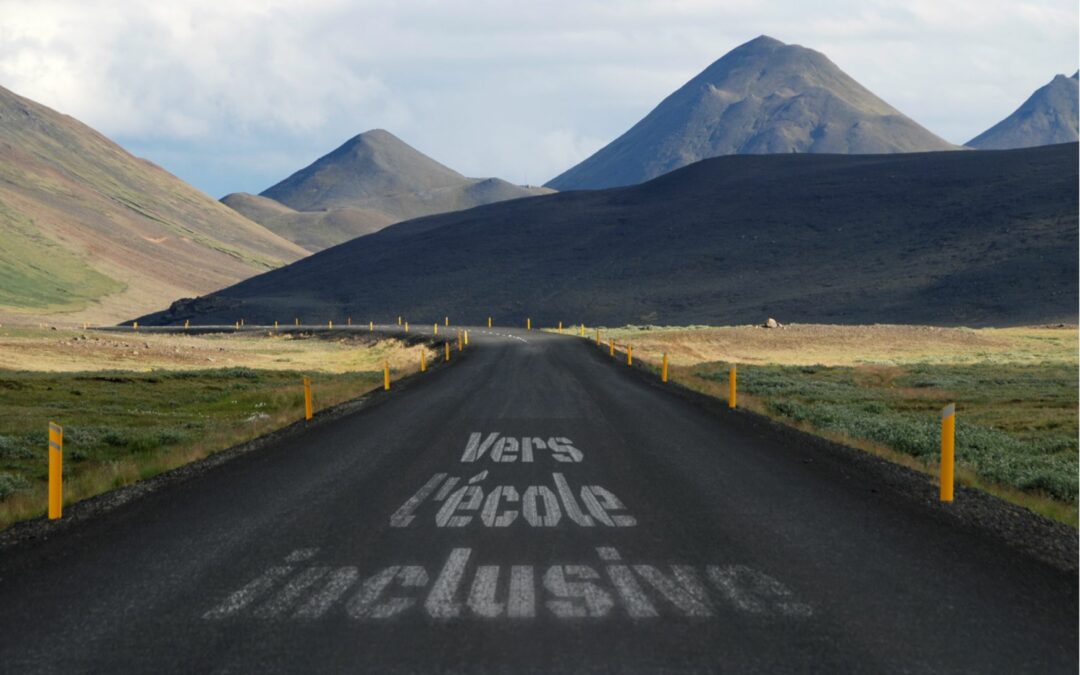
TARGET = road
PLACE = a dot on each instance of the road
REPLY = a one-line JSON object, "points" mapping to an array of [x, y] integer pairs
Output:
{"points": [[533, 508]]}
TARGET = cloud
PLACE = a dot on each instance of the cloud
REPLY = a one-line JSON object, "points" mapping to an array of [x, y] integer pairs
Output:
{"points": [[236, 95]]}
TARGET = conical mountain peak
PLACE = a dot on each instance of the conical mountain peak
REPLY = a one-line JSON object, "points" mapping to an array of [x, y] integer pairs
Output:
{"points": [[762, 97]]}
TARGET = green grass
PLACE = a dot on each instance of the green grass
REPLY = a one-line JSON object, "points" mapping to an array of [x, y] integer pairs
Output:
{"points": [[37, 273], [1016, 424], [123, 426]]}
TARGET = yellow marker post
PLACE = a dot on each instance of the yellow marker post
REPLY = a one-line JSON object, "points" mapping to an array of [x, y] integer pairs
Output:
{"points": [[348, 321], [386, 376], [663, 369], [275, 325], [582, 334], [629, 355], [297, 321], [466, 338], [371, 326], [435, 328], [733, 395], [307, 397], [56, 471], [948, 459], [560, 326], [446, 320], [237, 325], [423, 361], [611, 347], [399, 321], [489, 322], [597, 337], [460, 345], [528, 324], [330, 324], [406, 326], [446, 356], [135, 325]]}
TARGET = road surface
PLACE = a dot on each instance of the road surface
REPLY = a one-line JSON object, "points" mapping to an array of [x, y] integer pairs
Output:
{"points": [[533, 508]]}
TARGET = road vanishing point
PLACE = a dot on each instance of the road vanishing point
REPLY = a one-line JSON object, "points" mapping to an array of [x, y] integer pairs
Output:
{"points": [[535, 507]]}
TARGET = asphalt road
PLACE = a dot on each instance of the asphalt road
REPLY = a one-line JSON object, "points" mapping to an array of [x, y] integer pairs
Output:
{"points": [[534, 508]]}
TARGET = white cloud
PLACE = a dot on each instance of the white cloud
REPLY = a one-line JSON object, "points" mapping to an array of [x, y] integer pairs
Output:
{"points": [[523, 90]]}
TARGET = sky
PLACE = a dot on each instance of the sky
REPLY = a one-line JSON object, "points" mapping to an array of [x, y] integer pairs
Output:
{"points": [[235, 95]]}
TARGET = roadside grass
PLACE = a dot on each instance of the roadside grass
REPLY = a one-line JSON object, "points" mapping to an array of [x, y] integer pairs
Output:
{"points": [[121, 426], [1015, 389]]}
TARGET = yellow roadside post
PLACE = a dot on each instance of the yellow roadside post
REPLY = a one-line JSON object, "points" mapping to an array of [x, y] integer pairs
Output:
{"points": [[56, 470], [406, 326], [275, 325], [371, 326], [611, 347], [560, 326], [446, 320], [423, 362], [307, 397], [528, 324], [237, 325], [466, 338], [582, 334], [629, 355], [489, 322], [386, 375], [732, 388], [348, 321], [297, 320], [330, 324], [446, 356], [597, 337], [135, 325], [460, 346], [948, 459], [663, 369], [399, 321], [435, 328]]}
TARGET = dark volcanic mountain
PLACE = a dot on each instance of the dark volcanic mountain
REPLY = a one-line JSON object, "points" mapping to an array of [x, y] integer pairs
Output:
{"points": [[764, 97], [90, 233], [1049, 116], [369, 182], [953, 238]]}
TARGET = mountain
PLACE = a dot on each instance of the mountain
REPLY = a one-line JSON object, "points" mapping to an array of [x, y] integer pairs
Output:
{"points": [[380, 180], [1049, 116], [92, 233], [951, 238], [314, 230], [763, 97]]}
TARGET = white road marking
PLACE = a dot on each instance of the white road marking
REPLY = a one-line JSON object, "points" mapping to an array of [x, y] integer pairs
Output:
{"points": [[490, 515], [404, 515], [573, 511], [248, 594], [683, 589], [441, 602], [576, 593], [338, 582], [288, 596], [552, 514], [446, 518], [755, 592]]}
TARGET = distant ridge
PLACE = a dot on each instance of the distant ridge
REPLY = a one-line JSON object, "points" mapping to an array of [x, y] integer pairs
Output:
{"points": [[370, 181], [1047, 117], [90, 233], [941, 238], [763, 97]]}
